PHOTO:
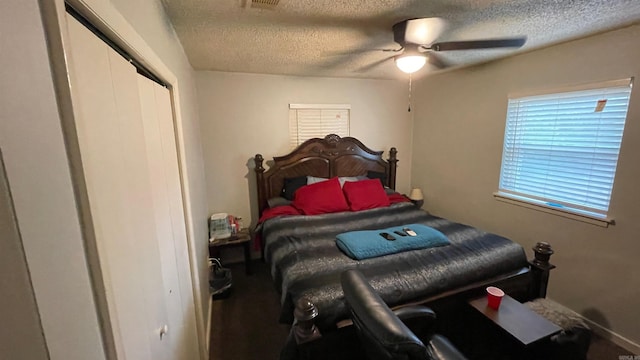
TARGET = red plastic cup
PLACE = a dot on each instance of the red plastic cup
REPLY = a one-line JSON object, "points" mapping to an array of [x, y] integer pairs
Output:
{"points": [[494, 297]]}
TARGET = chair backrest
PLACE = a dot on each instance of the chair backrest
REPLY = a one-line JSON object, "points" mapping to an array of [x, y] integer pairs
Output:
{"points": [[383, 334]]}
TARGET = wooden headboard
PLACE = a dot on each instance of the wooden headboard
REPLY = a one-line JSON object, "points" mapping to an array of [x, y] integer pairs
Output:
{"points": [[328, 157]]}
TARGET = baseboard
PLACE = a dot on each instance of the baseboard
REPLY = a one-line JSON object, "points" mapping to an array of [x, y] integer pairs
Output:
{"points": [[615, 338], [603, 332], [209, 325]]}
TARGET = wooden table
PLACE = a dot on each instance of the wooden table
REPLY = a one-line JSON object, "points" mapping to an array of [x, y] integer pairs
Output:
{"points": [[242, 238], [516, 319]]}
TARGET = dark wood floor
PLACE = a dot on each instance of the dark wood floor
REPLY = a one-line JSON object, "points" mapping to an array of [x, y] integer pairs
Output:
{"points": [[245, 325]]}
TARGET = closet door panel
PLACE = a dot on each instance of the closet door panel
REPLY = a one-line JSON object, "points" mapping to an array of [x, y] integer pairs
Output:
{"points": [[183, 343], [138, 206], [160, 212], [102, 153], [174, 190]]}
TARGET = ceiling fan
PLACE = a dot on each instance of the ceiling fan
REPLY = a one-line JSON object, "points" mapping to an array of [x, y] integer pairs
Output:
{"points": [[417, 37]]}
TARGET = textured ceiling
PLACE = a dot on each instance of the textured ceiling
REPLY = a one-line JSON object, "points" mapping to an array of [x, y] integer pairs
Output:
{"points": [[340, 38]]}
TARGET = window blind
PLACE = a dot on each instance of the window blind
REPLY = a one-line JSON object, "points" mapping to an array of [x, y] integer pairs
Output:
{"points": [[561, 150], [317, 121]]}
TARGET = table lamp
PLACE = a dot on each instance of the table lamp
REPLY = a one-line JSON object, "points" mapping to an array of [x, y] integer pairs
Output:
{"points": [[416, 197]]}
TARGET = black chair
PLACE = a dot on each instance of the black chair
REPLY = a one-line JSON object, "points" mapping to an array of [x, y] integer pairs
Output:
{"points": [[383, 332]]}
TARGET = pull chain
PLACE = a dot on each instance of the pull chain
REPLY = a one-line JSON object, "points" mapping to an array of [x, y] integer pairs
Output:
{"points": [[409, 109]]}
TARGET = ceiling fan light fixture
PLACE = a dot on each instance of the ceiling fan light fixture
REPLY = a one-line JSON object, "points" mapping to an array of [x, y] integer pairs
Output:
{"points": [[410, 63]]}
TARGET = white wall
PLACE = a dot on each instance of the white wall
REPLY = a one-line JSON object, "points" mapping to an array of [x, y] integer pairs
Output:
{"points": [[39, 175], [245, 114], [457, 146]]}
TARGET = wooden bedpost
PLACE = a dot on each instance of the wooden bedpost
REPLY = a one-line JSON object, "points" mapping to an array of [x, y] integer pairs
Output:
{"points": [[262, 202], [393, 163], [300, 343], [304, 329], [540, 269]]}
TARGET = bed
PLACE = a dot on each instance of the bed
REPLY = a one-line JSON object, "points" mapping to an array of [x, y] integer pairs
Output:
{"points": [[306, 264]]}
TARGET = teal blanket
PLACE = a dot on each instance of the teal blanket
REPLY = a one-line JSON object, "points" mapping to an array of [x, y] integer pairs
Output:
{"points": [[369, 243]]}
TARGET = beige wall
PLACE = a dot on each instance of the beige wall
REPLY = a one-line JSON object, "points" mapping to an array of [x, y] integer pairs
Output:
{"points": [[245, 114], [21, 336], [458, 135]]}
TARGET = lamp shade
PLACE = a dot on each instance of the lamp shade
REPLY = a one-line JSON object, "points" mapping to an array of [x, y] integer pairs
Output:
{"points": [[410, 63], [416, 194]]}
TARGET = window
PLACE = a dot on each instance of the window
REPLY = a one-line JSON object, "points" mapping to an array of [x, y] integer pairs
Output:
{"points": [[308, 121], [561, 149]]}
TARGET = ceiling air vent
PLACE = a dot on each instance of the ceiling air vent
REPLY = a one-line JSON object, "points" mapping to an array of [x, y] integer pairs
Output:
{"points": [[264, 4]]}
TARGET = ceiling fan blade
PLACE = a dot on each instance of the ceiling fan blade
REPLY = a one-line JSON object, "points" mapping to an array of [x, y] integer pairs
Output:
{"points": [[478, 44], [374, 64], [423, 31]]}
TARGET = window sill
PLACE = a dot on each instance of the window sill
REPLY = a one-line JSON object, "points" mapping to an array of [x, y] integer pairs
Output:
{"points": [[603, 222]]}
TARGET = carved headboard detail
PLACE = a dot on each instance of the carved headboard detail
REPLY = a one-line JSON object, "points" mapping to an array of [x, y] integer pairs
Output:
{"points": [[328, 157]]}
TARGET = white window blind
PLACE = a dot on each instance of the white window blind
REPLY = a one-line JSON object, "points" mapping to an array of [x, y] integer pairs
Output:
{"points": [[308, 121], [561, 149]]}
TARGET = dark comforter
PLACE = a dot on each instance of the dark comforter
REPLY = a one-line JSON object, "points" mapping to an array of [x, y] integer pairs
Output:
{"points": [[305, 260]]}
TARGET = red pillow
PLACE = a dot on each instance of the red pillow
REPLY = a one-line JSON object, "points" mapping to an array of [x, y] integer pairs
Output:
{"points": [[320, 198], [365, 194]]}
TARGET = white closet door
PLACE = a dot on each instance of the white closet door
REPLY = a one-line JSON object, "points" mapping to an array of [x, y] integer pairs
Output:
{"points": [[178, 222], [111, 139], [170, 222], [138, 205]]}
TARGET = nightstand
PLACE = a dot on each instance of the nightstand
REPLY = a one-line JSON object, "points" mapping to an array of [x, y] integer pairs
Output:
{"points": [[242, 238]]}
